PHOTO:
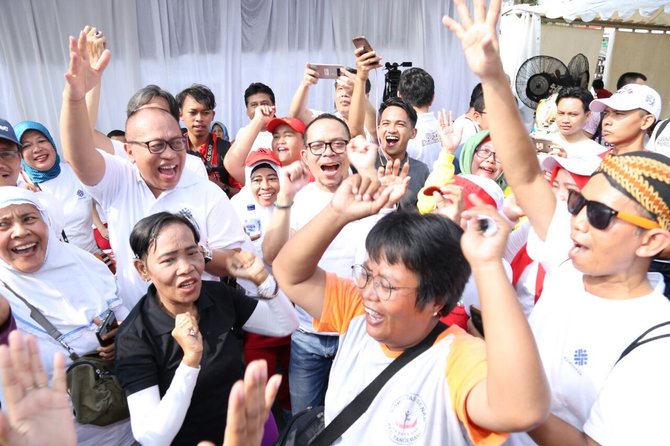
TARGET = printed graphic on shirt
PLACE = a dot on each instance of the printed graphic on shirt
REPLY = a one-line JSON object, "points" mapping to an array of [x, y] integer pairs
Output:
{"points": [[407, 419]]}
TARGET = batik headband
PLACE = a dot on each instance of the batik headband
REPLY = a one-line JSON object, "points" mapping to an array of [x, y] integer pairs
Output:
{"points": [[644, 177]]}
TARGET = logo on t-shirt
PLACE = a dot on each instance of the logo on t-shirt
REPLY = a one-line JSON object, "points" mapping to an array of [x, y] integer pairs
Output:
{"points": [[581, 357], [80, 193], [407, 419]]}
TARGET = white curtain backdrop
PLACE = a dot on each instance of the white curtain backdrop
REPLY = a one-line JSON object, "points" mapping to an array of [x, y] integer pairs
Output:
{"points": [[224, 44]]}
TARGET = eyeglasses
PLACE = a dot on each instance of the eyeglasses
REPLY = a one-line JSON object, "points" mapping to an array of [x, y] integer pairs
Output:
{"points": [[383, 289], [338, 146], [8, 155], [600, 215], [178, 144], [483, 153]]}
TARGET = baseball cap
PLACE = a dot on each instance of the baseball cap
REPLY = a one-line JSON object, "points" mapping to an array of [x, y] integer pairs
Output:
{"points": [[486, 189], [630, 97], [295, 123], [261, 158], [579, 165], [7, 132]]}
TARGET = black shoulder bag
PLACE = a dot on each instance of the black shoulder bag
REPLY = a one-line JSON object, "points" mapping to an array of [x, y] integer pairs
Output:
{"points": [[97, 397], [306, 428]]}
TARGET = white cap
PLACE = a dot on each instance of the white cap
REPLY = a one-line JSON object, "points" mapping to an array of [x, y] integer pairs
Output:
{"points": [[579, 165], [630, 97]]}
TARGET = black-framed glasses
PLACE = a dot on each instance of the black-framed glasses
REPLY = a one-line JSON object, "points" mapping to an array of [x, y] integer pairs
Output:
{"points": [[484, 153], [338, 146], [178, 144], [600, 215], [8, 155], [383, 288]]}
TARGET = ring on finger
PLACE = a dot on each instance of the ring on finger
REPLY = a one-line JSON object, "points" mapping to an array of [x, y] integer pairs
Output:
{"points": [[98, 33], [191, 332], [29, 388]]}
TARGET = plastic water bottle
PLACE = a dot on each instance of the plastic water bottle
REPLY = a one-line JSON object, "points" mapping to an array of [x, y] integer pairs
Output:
{"points": [[252, 224]]}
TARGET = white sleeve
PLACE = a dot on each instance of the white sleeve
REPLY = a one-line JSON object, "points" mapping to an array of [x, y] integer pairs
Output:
{"points": [[274, 317], [553, 250], [156, 421], [632, 407], [224, 229], [118, 174]]}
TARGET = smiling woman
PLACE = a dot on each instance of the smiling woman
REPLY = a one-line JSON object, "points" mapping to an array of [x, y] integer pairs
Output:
{"points": [[177, 355], [67, 285]]}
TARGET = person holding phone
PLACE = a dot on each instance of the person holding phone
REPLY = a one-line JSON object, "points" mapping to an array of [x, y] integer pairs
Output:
{"points": [[70, 287]]}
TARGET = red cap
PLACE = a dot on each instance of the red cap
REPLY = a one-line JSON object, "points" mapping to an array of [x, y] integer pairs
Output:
{"points": [[262, 156], [472, 184], [295, 123]]}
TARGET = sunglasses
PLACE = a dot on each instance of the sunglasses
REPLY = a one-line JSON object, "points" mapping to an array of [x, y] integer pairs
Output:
{"points": [[600, 216]]}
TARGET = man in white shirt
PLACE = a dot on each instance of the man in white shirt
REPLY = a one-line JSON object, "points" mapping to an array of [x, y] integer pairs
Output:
{"points": [[257, 95], [417, 87], [10, 156], [572, 112], [473, 120], [152, 179]]}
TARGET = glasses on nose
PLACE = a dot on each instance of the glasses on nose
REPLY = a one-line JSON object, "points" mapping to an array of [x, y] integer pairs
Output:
{"points": [[338, 146], [8, 155], [178, 144], [600, 216], [383, 288], [483, 153]]}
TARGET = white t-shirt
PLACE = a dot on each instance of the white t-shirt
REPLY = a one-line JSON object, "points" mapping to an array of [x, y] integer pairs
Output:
{"points": [[263, 139], [580, 336], [660, 142], [425, 146], [584, 148], [347, 249], [469, 127], [77, 207], [126, 199]]}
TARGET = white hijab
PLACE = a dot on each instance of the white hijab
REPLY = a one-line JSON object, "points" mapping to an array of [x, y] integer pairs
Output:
{"points": [[70, 288]]}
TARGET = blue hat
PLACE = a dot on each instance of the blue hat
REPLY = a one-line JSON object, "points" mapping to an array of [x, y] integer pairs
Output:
{"points": [[7, 132]]}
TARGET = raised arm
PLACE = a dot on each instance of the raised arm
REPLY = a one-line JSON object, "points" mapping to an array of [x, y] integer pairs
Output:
{"points": [[515, 394], [96, 43], [510, 137], [76, 134], [296, 267], [360, 105], [292, 178], [239, 150], [298, 107]]}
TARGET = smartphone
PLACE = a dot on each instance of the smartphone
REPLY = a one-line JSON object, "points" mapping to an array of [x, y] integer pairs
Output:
{"points": [[108, 324], [362, 41], [326, 71], [476, 318]]}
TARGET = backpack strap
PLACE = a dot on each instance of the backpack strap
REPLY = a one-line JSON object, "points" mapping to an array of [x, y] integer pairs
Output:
{"points": [[638, 341]]}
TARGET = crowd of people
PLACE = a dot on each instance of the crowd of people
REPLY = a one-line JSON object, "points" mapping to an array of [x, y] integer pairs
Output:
{"points": [[319, 248]]}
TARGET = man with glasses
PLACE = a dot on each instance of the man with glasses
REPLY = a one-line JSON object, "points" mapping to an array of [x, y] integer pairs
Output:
{"points": [[325, 154], [598, 296], [10, 156], [152, 179]]}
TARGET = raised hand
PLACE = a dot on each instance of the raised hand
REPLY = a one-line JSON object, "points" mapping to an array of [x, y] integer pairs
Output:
{"points": [[187, 334], [366, 62], [82, 76], [36, 413], [264, 113], [246, 265], [478, 246], [310, 77], [292, 178], [346, 80], [449, 138], [96, 43], [449, 202], [478, 36], [362, 154]]}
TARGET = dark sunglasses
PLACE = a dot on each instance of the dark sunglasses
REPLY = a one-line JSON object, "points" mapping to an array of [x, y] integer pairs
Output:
{"points": [[600, 216]]}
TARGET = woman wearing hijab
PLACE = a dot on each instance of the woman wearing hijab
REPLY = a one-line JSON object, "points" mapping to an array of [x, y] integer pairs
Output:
{"points": [[43, 168], [68, 286]]}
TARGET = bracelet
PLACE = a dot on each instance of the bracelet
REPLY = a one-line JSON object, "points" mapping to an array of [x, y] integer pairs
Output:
{"points": [[269, 288], [284, 206]]}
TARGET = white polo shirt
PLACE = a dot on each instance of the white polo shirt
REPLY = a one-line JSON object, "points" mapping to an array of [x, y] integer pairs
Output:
{"points": [[126, 199]]}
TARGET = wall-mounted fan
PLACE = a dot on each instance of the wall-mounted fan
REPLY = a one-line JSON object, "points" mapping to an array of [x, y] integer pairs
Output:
{"points": [[579, 70], [538, 77]]}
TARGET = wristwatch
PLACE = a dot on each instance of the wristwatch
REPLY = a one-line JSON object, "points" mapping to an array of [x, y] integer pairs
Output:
{"points": [[206, 253]]}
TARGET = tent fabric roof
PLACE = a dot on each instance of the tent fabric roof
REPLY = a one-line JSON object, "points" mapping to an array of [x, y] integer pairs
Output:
{"points": [[647, 13]]}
